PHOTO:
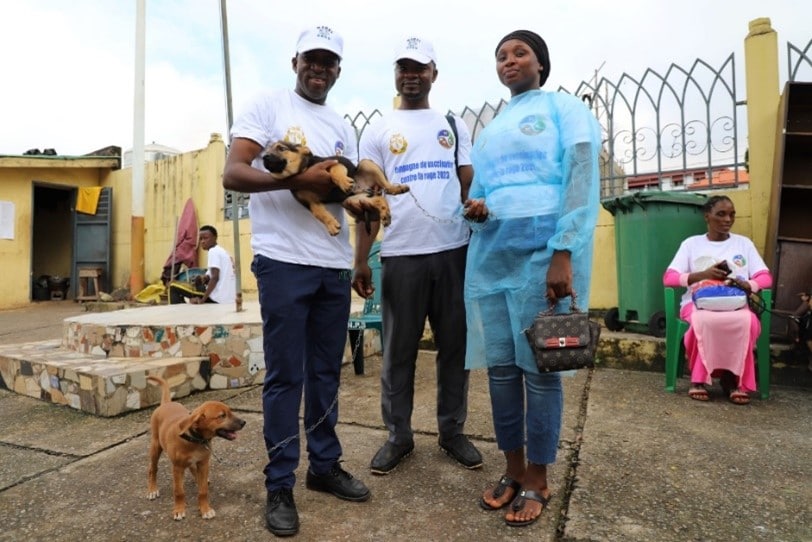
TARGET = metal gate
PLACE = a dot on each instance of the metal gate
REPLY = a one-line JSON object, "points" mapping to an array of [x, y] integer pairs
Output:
{"points": [[92, 241]]}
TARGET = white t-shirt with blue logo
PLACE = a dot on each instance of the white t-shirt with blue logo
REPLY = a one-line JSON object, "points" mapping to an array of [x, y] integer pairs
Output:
{"points": [[698, 253], [416, 147]]}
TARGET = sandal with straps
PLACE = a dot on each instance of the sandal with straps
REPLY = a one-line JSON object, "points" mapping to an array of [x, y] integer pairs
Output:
{"points": [[519, 502], [698, 392], [505, 483], [739, 397]]}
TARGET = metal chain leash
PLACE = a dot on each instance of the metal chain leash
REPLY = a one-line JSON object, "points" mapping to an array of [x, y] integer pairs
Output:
{"points": [[291, 438], [475, 226], [308, 430]]}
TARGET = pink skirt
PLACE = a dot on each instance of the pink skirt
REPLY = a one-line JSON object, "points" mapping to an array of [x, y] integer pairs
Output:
{"points": [[719, 341]]}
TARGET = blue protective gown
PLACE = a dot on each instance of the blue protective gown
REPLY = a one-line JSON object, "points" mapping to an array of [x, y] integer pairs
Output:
{"points": [[536, 166]]}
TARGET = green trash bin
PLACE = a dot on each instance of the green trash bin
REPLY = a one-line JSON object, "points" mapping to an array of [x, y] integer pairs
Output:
{"points": [[649, 227]]}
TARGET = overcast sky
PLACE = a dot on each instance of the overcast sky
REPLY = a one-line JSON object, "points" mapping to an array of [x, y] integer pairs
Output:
{"points": [[68, 65]]}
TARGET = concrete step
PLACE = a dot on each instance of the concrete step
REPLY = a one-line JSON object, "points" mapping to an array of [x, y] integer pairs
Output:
{"points": [[97, 384], [100, 362]]}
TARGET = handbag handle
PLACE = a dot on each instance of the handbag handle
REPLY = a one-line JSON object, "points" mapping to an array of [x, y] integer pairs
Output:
{"points": [[551, 306]]}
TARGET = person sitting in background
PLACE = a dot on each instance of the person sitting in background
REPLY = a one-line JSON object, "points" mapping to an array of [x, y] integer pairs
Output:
{"points": [[218, 285], [719, 343]]}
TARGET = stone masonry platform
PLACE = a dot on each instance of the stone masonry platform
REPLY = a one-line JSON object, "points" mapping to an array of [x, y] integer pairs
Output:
{"points": [[101, 363]]}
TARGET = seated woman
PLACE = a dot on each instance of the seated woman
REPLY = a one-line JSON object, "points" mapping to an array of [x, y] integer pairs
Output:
{"points": [[719, 343]]}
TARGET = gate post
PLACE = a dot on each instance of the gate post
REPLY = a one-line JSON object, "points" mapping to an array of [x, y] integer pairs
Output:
{"points": [[761, 81]]}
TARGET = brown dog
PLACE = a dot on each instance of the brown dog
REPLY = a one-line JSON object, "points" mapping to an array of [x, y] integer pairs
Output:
{"points": [[366, 182], [186, 437]]}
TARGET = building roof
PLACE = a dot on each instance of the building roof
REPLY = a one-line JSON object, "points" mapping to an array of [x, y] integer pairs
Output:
{"points": [[107, 157], [107, 162], [692, 179]]}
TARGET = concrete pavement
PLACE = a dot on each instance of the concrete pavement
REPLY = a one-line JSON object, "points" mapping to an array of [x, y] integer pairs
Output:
{"points": [[634, 463]]}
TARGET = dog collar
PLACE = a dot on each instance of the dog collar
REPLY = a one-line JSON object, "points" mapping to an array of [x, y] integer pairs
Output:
{"points": [[191, 436]]}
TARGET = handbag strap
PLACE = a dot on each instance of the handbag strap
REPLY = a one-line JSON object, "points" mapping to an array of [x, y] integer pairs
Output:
{"points": [[551, 306]]}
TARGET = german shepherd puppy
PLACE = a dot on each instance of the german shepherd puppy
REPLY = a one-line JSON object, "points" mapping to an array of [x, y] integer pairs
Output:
{"points": [[366, 181]]}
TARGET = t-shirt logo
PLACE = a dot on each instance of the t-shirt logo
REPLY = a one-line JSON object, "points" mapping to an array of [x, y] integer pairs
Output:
{"points": [[739, 260], [339, 148], [295, 135], [397, 144], [532, 125], [445, 138]]}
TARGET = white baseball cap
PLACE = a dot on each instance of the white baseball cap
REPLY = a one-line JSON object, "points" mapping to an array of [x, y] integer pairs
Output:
{"points": [[320, 37], [416, 49]]}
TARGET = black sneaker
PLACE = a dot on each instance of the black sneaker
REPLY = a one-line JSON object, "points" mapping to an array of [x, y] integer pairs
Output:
{"points": [[281, 516], [338, 482], [461, 449], [389, 456]]}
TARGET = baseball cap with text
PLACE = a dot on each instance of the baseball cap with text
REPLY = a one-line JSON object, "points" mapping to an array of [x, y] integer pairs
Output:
{"points": [[320, 37], [416, 49]]}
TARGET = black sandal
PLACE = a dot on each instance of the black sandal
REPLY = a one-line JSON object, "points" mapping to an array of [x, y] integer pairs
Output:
{"points": [[519, 502], [505, 483]]}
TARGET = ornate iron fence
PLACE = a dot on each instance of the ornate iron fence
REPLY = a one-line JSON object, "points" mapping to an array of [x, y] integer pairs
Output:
{"points": [[672, 130], [797, 58]]}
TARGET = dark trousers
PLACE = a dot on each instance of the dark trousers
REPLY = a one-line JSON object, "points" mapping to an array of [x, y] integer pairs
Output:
{"points": [[304, 311], [415, 288], [180, 293]]}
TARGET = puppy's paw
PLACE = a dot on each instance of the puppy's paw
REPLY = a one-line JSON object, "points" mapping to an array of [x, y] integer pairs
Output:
{"points": [[396, 189], [344, 183], [333, 228], [178, 514], [152, 495], [207, 514]]}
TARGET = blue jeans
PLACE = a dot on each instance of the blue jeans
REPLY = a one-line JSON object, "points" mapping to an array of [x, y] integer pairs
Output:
{"points": [[526, 402], [304, 310]]}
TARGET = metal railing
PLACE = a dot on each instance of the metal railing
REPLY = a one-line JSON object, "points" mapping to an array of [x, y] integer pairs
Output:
{"points": [[798, 58], [673, 130]]}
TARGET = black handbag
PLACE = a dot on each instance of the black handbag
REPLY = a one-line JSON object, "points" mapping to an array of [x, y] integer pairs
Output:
{"points": [[562, 342]]}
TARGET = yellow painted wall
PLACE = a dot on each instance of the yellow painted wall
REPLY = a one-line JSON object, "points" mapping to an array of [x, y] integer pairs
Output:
{"points": [[16, 186], [168, 184]]}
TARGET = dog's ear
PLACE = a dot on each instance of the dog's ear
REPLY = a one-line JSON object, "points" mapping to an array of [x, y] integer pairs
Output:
{"points": [[304, 150], [196, 420], [190, 421]]}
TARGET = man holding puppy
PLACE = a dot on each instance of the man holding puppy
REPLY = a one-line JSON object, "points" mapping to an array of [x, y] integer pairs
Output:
{"points": [[303, 276]]}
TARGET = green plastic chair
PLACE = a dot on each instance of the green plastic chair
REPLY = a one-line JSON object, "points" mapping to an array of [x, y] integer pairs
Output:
{"points": [[675, 349], [370, 317]]}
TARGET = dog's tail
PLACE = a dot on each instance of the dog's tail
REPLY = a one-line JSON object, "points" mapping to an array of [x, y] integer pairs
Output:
{"points": [[165, 397]]}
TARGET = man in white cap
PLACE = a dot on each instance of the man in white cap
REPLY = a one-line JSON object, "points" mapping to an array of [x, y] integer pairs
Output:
{"points": [[303, 277], [423, 257]]}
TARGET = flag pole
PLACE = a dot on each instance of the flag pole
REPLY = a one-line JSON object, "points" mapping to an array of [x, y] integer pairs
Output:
{"points": [[235, 218], [137, 206]]}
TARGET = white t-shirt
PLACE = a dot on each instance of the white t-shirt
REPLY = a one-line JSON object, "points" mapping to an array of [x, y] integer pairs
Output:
{"points": [[281, 227], [697, 253], [416, 147], [226, 289]]}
